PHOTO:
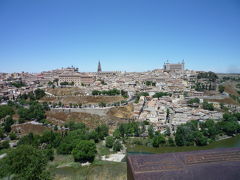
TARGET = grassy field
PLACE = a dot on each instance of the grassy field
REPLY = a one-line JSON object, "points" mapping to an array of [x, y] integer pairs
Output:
{"points": [[63, 167], [100, 170]]}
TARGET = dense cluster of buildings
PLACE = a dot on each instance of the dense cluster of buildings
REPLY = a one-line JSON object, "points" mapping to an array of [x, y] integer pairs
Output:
{"points": [[163, 112]]}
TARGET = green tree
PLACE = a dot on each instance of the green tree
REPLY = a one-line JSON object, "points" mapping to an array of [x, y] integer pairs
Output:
{"points": [[208, 106], [52, 139], [7, 124], [102, 104], [194, 100], [117, 133], [63, 83], [13, 136], [117, 146], [200, 139], [209, 129], [35, 111], [109, 142], [157, 140], [45, 106], [96, 92], [221, 88], [229, 127], [171, 141], [150, 131], [4, 145], [49, 154], [18, 84], [124, 93], [122, 130], [102, 131], [30, 139], [167, 116], [167, 132], [6, 110], [160, 94], [23, 113], [65, 148], [39, 93], [84, 151], [94, 136], [50, 83], [184, 136], [25, 163], [211, 76], [1, 133]]}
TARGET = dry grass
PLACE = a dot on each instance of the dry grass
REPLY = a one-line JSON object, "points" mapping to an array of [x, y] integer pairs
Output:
{"points": [[91, 120], [83, 99], [24, 129], [230, 89], [65, 91], [225, 101], [121, 112]]}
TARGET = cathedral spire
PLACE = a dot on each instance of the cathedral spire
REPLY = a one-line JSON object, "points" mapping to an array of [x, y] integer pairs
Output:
{"points": [[99, 67]]}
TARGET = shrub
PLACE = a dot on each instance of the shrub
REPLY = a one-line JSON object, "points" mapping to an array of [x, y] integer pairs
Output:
{"points": [[117, 146], [109, 142], [12, 136], [4, 145], [84, 151], [157, 140]]}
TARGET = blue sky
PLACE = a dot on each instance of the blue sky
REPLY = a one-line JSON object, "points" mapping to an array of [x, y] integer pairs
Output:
{"points": [[131, 35]]}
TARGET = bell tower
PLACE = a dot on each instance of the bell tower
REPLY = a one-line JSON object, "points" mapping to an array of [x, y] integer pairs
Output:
{"points": [[99, 67]]}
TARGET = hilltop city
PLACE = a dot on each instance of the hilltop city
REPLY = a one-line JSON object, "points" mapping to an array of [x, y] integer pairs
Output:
{"points": [[63, 111]]}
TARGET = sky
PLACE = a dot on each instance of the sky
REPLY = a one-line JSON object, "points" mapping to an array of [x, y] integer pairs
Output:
{"points": [[125, 35]]}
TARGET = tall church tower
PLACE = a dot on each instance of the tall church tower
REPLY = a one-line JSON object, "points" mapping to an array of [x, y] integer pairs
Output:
{"points": [[99, 67]]}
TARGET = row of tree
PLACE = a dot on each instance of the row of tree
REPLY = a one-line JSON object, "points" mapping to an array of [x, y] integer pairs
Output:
{"points": [[31, 96], [211, 76], [201, 133], [203, 86], [66, 83], [161, 94], [18, 84], [111, 92], [150, 83]]}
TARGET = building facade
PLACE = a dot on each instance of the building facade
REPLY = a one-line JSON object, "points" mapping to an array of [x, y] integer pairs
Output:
{"points": [[77, 78], [179, 67]]}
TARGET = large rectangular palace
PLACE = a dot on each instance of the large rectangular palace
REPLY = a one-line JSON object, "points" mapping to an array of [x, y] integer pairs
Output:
{"points": [[179, 67]]}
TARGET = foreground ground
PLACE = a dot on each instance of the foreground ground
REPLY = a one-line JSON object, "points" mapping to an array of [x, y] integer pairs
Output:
{"points": [[64, 168]]}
